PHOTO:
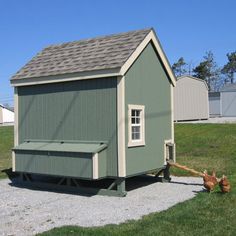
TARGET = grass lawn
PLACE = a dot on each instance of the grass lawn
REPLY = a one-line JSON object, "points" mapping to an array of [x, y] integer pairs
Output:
{"points": [[200, 146], [6, 144]]}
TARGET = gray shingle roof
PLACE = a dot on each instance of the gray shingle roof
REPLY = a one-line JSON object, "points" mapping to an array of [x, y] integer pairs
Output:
{"points": [[229, 88], [100, 53]]}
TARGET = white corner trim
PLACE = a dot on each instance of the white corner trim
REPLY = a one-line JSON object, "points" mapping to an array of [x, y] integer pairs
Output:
{"points": [[150, 37], [121, 126], [95, 166], [16, 133], [132, 143], [13, 161], [172, 113]]}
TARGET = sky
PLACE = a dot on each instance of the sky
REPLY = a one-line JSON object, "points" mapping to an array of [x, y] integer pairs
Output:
{"points": [[186, 28]]}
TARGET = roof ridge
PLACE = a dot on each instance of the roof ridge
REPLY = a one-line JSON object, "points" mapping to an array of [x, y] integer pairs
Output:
{"points": [[98, 37]]}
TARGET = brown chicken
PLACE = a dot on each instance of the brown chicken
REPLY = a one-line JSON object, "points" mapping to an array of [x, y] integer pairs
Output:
{"points": [[224, 184], [210, 181]]}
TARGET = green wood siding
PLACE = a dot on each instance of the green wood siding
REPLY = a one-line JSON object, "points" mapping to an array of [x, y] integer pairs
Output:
{"points": [[78, 110], [146, 83], [55, 163]]}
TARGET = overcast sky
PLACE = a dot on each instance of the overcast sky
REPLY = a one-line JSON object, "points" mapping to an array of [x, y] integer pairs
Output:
{"points": [[185, 28]]}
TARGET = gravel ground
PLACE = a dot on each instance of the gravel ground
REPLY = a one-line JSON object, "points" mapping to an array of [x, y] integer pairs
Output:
{"points": [[27, 212]]}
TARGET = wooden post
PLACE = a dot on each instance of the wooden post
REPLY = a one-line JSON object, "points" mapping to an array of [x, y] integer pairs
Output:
{"points": [[121, 187], [166, 174]]}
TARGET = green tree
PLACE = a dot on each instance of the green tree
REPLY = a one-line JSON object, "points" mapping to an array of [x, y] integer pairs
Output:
{"points": [[208, 71], [230, 68], [179, 67]]}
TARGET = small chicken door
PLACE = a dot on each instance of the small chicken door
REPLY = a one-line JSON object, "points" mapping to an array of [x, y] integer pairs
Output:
{"points": [[169, 152]]}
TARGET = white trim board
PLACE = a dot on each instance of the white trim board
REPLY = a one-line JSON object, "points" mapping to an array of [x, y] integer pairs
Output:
{"points": [[151, 37], [95, 166], [121, 126], [16, 135]]}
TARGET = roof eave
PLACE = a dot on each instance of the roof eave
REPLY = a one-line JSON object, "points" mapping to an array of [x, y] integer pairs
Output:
{"points": [[66, 77], [121, 71]]}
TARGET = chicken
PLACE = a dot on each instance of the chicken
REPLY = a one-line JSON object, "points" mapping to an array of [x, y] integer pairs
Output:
{"points": [[224, 184], [209, 186], [210, 181]]}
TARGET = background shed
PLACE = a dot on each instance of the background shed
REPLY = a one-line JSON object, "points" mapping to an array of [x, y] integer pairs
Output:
{"points": [[214, 104], [228, 100], [190, 99], [6, 115]]}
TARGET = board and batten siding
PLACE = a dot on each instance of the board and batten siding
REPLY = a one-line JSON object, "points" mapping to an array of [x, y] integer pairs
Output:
{"points": [[228, 100], [77, 110], [190, 99], [147, 84]]}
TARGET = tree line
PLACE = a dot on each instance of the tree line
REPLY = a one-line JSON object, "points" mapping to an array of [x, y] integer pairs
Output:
{"points": [[208, 70]]}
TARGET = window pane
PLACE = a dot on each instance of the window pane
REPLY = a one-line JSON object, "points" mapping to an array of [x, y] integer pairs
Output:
{"points": [[138, 113], [133, 120], [136, 129], [133, 136], [137, 135], [133, 112], [137, 120]]}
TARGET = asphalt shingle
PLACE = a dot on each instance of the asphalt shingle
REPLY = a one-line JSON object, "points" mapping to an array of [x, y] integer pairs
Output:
{"points": [[99, 53]]}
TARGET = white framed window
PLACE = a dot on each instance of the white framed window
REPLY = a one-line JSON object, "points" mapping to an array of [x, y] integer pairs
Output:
{"points": [[136, 124]]}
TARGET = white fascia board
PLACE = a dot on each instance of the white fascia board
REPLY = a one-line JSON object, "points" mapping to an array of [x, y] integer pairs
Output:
{"points": [[106, 72], [150, 37], [66, 77]]}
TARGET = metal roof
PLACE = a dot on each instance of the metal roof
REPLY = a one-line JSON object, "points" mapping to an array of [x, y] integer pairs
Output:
{"points": [[61, 146], [94, 54], [192, 77], [229, 88]]}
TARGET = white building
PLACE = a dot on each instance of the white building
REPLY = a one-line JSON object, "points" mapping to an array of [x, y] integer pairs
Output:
{"points": [[6, 115], [190, 99], [223, 103]]}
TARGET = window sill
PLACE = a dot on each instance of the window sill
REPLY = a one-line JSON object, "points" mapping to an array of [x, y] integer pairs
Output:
{"points": [[136, 144]]}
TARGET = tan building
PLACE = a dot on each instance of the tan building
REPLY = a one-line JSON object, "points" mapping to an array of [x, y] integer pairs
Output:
{"points": [[190, 99]]}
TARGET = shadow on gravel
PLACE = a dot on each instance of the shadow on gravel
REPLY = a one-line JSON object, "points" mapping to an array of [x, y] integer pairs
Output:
{"points": [[132, 183], [49, 184], [182, 183], [11, 175]]}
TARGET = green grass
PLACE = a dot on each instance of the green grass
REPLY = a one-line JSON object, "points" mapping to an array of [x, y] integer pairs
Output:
{"points": [[206, 146], [201, 147], [6, 144], [198, 146], [207, 214]]}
